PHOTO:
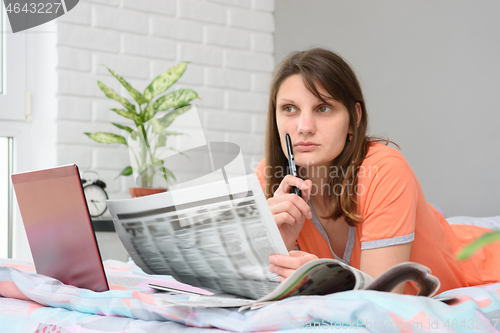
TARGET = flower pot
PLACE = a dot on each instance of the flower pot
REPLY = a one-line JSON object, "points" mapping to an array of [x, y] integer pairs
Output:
{"points": [[143, 191]]}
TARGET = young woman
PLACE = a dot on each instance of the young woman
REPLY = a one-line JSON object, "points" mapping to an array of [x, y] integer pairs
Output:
{"points": [[361, 201]]}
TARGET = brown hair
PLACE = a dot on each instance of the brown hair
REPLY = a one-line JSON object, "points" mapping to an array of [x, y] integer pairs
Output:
{"points": [[321, 67]]}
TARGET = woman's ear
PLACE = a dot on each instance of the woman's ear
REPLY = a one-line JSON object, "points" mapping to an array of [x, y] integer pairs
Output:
{"points": [[358, 113]]}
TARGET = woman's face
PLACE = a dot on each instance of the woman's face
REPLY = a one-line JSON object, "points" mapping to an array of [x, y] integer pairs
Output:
{"points": [[318, 131]]}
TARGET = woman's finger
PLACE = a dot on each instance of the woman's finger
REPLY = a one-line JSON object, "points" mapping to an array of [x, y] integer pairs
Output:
{"points": [[284, 272], [293, 261], [288, 182], [306, 194], [285, 211], [291, 203]]}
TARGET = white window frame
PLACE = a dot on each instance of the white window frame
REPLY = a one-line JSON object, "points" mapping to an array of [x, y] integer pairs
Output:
{"points": [[6, 240], [13, 96], [13, 124], [1, 47]]}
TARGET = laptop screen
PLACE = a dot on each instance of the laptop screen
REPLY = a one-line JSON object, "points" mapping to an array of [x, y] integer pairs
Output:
{"points": [[58, 226]]}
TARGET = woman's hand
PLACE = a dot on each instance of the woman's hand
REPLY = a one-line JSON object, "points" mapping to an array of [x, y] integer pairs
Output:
{"points": [[289, 210], [286, 265]]}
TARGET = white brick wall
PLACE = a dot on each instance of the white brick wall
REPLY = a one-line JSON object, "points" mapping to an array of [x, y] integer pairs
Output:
{"points": [[201, 54], [260, 81], [71, 108], [227, 78], [229, 44], [148, 46], [251, 19], [251, 61], [74, 59], [218, 120], [246, 101], [163, 7], [121, 20], [236, 3], [126, 66], [202, 11], [88, 38], [224, 36], [176, 29]]}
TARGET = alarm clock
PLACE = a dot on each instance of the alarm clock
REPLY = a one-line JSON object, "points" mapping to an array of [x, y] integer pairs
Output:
{"points": [[95, 195]]}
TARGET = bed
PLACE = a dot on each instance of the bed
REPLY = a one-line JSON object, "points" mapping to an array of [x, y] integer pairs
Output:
{"points": [[36, 303]]}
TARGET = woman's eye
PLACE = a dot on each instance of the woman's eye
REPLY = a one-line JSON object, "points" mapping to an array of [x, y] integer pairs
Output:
{"points": [[324, 109], [289, 108]]}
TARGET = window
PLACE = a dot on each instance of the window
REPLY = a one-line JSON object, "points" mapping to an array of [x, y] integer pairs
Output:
{"points": [[1, 47], [12, 70], [5, 198]]}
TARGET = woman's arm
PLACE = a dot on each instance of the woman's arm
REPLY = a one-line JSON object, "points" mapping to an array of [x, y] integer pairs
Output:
{"points": [[389, 210], [374, 262]]}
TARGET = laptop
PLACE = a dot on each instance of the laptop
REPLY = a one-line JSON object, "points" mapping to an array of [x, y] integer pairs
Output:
{"points": [[59, 228]]}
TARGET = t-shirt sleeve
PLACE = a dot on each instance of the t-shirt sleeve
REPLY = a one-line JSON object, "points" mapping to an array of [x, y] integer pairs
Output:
{"points": [[388, 204]]}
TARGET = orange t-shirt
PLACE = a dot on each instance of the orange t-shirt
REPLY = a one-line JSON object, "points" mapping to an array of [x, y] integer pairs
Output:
{"points": [[394, 211]]}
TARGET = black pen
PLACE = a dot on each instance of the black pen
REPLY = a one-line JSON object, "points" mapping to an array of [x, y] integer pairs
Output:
{"points": [[291, 163]]}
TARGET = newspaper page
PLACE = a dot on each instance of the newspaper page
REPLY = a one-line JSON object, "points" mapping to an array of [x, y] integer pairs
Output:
{"points": [[214, 235]]}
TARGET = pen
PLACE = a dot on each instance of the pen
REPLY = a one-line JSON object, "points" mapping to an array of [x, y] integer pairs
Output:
{"points": [[291, 163]]}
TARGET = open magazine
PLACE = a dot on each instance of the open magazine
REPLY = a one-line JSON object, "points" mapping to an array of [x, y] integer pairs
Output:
{"points": [[318, 277], [218, 236]]}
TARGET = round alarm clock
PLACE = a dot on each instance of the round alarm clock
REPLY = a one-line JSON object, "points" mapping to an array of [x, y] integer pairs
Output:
{"points": [[95, 195]]}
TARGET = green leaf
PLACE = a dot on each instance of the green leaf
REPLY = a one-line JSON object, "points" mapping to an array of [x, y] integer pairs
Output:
{"points": [[162, 141], [134, 134], [159, 124], [125, 172], [167, 119], [179, 152], [137, 96], [110, 93], [163, 81], [150, 164], [172, 133], [158, 128], [128, 114], [102, 137], [126, 128], [484, 240], [167, 174], [175, 99]]}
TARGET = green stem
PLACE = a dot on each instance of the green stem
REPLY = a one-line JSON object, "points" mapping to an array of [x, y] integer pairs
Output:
{"points": [[135, 156], [145, 151]]}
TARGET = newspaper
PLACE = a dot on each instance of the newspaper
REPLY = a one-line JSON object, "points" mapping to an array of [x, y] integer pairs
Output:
{"points": [[217, 236]]}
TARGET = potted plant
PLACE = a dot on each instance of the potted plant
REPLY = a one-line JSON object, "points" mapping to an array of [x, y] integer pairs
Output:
{"points": [[151, 119]]}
